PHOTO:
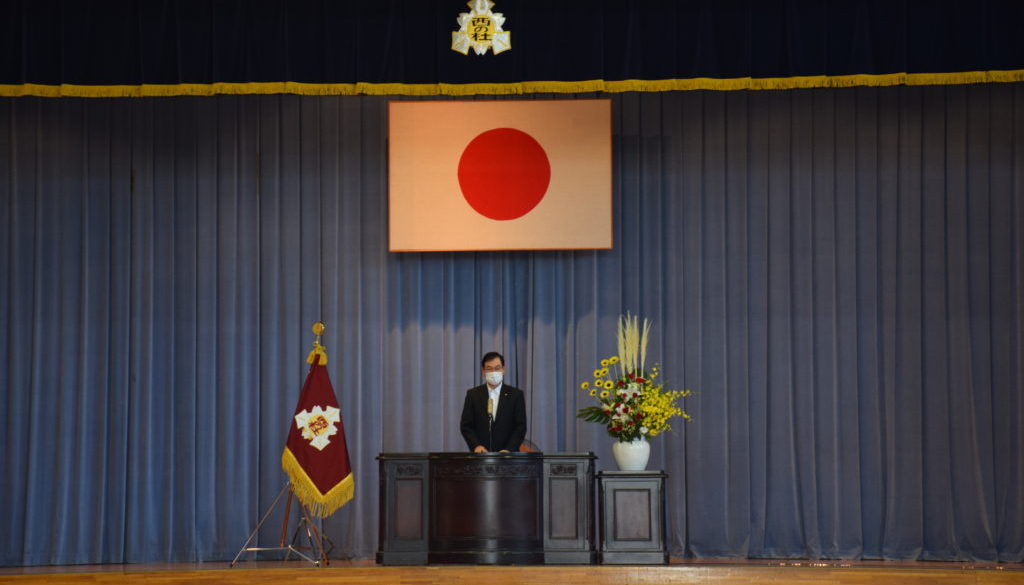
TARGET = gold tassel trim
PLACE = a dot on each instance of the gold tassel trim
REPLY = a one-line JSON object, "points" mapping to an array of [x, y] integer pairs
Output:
{"points": [[319, 504], [526, 87], [318, 350]]}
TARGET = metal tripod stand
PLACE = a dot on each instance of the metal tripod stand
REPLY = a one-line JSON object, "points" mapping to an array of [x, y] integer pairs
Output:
{"points": [[314, 535]]}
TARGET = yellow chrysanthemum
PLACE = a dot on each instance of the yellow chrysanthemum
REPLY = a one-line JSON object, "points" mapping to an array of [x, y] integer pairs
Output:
{"points": [[585, 385], [609, 384], [604, 394], [613, 360], [604, 371], [593, 392], [597, 373], [604, 363]]}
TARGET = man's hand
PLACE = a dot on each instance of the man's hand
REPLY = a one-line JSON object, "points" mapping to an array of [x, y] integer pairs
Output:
{"points": [[479, 449]]}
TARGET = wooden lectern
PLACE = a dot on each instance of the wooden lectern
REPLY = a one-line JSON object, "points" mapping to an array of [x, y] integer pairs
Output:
{"points": [[494, 508]]}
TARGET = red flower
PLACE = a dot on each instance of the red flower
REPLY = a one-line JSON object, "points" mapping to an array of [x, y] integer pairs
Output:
{"points": [[640, 380]]}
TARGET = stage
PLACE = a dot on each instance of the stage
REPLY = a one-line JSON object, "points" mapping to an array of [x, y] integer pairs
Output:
{"points": [[716, 572]]}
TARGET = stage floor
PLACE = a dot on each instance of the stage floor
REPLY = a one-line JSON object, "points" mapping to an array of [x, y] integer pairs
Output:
{"points": [[722, 572]]}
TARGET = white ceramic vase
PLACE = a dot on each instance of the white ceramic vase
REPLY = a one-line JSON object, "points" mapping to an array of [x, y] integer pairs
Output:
{"points": [[632, 455]]}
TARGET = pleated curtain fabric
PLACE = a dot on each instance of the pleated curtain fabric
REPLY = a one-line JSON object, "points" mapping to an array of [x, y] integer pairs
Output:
{"points": [[836, 274]]}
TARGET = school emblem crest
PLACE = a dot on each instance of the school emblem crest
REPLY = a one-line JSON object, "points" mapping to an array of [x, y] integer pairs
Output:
{"points": [[480, 29], [318, 425]]}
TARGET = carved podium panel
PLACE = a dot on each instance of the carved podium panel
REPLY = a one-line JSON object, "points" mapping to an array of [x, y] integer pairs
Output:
{"points": [[404, 515], [569, 508]]}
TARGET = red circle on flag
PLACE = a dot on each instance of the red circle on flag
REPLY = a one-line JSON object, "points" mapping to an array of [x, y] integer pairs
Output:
{"points": [[504, 173]]}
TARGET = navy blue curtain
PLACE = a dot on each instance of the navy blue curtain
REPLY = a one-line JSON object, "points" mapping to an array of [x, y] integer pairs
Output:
{"points": [[837, 274], [133, 42]]}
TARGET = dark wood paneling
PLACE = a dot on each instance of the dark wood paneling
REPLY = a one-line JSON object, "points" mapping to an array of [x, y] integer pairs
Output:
{"points": [[537, 508], [632, 517], [404, 516], [569, 508], [486, 508], [408, 515], [632, 514], [564, 518]]}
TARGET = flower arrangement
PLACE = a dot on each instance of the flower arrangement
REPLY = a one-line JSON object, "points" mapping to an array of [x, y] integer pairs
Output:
{"points": [[633, 402]]}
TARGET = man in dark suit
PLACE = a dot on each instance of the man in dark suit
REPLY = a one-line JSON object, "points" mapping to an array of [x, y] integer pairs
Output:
{"points": [[494, 414]]}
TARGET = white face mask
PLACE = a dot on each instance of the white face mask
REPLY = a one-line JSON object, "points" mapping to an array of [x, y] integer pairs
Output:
{"points": [[493, 378]]}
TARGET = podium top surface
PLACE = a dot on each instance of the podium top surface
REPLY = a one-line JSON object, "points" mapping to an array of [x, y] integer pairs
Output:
{"points": [[489, 455]]}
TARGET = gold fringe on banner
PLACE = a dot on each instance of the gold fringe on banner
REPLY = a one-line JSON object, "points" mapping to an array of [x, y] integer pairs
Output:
{"points": [[526, 87], [318, 504]]}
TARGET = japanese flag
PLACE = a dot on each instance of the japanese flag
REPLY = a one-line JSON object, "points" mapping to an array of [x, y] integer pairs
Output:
{"points": [[500, 175]]}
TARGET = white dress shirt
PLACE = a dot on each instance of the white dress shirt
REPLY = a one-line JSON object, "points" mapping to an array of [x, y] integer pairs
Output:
{"points": [[493, 394]]}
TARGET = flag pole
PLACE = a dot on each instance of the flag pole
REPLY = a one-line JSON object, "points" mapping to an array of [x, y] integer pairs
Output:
{"points": [[314, 535]]}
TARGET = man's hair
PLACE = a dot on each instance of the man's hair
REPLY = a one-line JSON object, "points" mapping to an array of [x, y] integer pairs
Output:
{"points": [[490, 356]]}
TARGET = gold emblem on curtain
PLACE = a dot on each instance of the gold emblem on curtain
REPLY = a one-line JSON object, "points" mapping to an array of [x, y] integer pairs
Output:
{"points": [[480, 29]]}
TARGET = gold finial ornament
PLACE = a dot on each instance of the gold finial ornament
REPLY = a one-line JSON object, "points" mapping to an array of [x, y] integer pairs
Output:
{"points": [[318, 350]]}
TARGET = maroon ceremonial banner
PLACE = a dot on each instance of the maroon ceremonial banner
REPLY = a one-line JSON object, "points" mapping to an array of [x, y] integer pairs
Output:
{"points": [[315, 456]]}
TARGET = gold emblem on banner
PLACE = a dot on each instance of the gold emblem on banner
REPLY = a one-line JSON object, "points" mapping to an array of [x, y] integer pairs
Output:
{"points": [[480, 29]]}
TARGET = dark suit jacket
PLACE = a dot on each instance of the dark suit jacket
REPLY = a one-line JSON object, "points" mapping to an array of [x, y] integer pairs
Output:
{"points": [[507, 431]]}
